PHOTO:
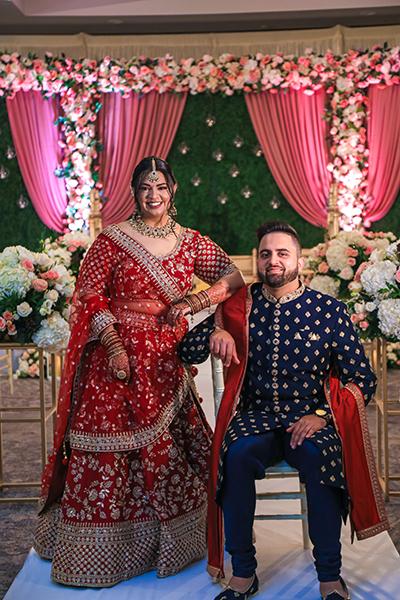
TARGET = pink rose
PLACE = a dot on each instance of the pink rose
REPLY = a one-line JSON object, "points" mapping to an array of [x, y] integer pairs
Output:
{"points": [[398, 275], [52, 275], [316, 253], [322, 252], [7, 315], [40, 285], [368, 250], [360, 269], [2, 324], [363, 325], [351, 261], [28, 264], [25, 355], [33, 370], [323, 267], [71, 248], [11, 330]]}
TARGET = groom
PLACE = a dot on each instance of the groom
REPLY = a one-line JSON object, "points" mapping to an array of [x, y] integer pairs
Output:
{"points": [[285, 347]]}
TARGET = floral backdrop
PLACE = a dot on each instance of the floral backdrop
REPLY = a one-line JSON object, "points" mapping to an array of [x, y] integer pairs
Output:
{"points": [[80, 83]]}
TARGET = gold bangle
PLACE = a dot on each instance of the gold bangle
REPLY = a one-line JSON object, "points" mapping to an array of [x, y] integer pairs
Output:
{"points": [[110, 356]]}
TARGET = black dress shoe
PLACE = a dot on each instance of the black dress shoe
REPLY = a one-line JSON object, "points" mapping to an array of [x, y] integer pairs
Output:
{"points": [[335, 595], [229, 593]]}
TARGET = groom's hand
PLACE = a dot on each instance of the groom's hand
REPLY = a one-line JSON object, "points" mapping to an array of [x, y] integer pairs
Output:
{"points": [[222, 345]]}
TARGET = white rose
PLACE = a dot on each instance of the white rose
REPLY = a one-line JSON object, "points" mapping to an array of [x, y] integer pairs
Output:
{"points": [[355, 286], [44, 260], [381, 244], [46, 307], [370, 306], [25, 254], [377, 255], [360, 307], [346, 273], [24, 309], [51, 295], [23, 366]]}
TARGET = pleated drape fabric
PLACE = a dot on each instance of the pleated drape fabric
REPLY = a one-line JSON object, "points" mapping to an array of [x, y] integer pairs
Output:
{"points": [[35, 140], [383, 137], [293, 137]]}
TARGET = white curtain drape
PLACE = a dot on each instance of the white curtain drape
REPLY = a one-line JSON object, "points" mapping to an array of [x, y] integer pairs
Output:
{"points": [[339, 39]]}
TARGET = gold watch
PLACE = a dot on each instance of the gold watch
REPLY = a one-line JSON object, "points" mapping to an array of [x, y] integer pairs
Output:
{"points": [[320, 412]]}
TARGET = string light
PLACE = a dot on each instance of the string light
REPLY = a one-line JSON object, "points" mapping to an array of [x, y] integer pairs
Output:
{"points": [[246, 192]]}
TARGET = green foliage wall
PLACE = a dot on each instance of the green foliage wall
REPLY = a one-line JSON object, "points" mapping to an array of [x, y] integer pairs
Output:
{"points": [[17, 226], [233, 224]]}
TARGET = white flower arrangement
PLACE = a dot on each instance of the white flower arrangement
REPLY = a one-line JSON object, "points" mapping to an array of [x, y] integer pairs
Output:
{"points": [[35, 289], [344, 258], [375, 309]]}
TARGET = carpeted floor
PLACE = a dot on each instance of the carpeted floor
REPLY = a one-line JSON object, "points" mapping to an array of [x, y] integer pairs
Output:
{"points": [[22, 462]]}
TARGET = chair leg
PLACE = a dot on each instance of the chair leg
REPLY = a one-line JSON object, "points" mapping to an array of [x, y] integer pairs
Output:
{"points": [[10, 371], [304, 522]]}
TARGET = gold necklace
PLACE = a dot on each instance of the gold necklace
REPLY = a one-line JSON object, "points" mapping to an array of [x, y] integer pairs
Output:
{"points": [[137, 223]]}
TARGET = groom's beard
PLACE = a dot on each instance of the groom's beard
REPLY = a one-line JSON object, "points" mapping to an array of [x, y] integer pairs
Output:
{"points": [[277, 280]]}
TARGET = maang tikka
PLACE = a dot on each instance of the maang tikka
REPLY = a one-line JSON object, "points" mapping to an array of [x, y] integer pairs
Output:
{"points": [[153, 177]]}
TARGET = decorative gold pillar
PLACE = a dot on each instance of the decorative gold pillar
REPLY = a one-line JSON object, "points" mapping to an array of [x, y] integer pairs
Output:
{"points": [[332, 221], [95, 219], [44, 410]]}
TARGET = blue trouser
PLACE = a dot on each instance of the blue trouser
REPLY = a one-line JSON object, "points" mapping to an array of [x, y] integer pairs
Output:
{"points": [[245, 461]]}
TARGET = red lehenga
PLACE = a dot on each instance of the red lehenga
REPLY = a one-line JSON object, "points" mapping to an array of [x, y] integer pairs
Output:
{"points": [[133, 495]]}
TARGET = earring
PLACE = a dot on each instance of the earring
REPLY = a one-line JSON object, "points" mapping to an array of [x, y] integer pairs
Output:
{"points": [[172, 211], [136, 215]]}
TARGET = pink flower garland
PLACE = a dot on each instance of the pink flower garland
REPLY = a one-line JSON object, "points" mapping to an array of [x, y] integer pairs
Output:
{"points": [[79, 83]]}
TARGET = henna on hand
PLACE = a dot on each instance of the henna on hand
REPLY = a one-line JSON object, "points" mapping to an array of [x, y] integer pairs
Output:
{"points": [[177, 312], [120, 364]]}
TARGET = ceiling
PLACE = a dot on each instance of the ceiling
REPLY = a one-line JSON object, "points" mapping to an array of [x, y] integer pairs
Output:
{"points": [[103, 17]]}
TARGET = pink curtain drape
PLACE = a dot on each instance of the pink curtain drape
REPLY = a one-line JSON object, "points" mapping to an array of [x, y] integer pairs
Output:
{"points": [[292, 135], [36, 142], [130, 129], [383, 135]]}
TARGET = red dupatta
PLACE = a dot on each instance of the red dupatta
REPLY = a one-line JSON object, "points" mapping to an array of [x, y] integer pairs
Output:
{"points": [[232, 315], [368, 515], [367, 509]]}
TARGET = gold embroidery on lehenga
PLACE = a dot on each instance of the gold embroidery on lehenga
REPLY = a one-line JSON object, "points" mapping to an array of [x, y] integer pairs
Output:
{"points": [[124, 550], [129, 440]]}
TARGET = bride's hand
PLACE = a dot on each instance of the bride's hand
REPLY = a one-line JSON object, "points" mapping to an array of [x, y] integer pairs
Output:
{"points": [[177, 312], [119, 365]]}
